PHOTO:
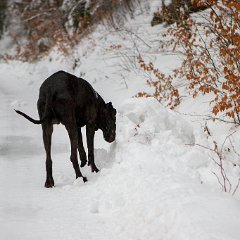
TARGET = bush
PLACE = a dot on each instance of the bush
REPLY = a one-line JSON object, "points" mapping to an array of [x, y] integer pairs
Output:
{"points": [[48, 23], [176, 11], [164, 91], [212, 48]]}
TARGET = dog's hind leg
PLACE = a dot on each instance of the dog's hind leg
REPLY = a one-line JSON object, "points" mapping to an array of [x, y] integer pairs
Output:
{"points": [[47, 128], [71, 127], [81, 149]]}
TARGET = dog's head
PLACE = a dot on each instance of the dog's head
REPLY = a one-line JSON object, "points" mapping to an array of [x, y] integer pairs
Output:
{"points": [[108, 125]]}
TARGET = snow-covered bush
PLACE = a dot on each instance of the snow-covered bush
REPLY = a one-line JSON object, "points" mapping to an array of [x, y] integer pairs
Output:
{"points": [[46, 24], [210, 43], [175, 11]]}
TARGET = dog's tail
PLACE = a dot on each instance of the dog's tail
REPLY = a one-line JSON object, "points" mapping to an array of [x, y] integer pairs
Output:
{"points": [[31, 119], [40, 121]]}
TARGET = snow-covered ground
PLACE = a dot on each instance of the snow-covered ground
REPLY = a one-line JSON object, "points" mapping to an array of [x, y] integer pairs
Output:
{"points": [[153, 183]]}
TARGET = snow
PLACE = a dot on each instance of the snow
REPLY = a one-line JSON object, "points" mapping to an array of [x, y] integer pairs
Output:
{"points": [[153, 182]]}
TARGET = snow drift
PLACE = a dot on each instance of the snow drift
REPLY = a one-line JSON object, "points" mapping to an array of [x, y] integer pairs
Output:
{"points": [[145, 189], [153, 184]]}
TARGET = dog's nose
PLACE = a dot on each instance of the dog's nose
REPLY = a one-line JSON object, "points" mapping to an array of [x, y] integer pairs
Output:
{"points": [[112, 137]]}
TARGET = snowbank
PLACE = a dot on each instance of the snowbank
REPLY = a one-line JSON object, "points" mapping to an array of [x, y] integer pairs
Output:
{"points": [[153, 184], [148, 186]]}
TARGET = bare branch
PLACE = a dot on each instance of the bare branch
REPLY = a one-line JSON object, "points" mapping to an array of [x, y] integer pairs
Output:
{"points": [[237, 186]]}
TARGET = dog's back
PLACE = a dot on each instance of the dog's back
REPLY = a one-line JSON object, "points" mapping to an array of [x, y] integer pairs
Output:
{"points": [[63, 91]]}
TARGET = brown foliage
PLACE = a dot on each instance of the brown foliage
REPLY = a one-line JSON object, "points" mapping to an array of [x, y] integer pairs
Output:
{"points": [[45, 21], [212, 49], [162, 84], [43, 24], [176, 11]]}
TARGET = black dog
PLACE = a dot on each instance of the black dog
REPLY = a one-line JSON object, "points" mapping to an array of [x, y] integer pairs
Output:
{"points": [[72, 101]]}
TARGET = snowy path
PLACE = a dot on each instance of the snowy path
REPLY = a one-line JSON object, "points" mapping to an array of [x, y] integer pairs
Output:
{"points": [[145, 189], [151, 186]]}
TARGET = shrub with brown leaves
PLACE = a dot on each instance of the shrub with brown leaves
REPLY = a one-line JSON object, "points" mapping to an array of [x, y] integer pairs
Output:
{"points": [[164, 91], [211, 43]]}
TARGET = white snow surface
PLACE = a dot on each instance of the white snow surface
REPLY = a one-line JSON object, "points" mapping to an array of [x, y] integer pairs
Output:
{"points": [[153, 182]]}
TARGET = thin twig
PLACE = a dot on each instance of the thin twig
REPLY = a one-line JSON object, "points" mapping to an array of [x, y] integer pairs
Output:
{"points": [[236, 187], [218, 180]]}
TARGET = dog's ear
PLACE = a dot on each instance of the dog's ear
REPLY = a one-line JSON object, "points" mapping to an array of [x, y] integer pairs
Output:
{"points": [[110, 107], [110, 104]]}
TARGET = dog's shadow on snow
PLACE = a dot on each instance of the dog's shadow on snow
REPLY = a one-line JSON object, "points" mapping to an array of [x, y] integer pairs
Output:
{"points": [[104, 159]]}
